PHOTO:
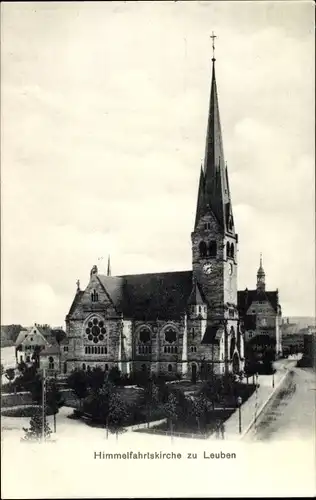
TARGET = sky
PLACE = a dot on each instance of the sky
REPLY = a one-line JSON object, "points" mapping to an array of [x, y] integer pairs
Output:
{"points": [[103, 124]]}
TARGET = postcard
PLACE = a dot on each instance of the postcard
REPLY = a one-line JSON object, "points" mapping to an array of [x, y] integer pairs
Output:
{"points": [[158, 249]]}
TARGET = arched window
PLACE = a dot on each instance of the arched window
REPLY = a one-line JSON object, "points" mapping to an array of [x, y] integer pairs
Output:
{"points": [[227, 249], [51, 363], [144, 335], [203, 249], [88, 368], [232, 250], [212, 249], [170, 335], [99, 350], [169, 368], [84, 366], [94, 296], [232, 341]]}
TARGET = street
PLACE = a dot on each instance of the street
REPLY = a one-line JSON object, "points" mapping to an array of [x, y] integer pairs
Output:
{"points": [[291, 412]]}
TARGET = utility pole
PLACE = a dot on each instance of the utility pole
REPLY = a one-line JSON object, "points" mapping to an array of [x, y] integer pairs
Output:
{"points": [[43, 404]]}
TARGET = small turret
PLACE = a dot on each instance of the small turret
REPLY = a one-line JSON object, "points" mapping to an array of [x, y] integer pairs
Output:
{"points": [[261, 277]]}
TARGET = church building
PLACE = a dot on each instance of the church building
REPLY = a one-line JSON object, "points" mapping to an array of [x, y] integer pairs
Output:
{"points": [[173, 322]]}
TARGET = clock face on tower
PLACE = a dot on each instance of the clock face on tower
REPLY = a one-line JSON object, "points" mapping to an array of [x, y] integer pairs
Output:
{"points": [[207, 268]]}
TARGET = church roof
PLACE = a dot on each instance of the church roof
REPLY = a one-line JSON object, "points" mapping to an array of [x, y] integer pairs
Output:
{"points": [[76, 301], [246, 297], [156, 296], [146, 296], [212, 334]]}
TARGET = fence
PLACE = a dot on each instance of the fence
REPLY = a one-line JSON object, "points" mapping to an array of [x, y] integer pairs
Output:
{"points": [[175, 434], [145, 425]]}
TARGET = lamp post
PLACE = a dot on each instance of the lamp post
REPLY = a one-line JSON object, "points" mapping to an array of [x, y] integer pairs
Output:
{"points": [[43, 404], [239, 402]]}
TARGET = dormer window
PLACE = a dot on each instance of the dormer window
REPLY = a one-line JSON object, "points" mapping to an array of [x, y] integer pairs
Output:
{"points": [[94, 296]]}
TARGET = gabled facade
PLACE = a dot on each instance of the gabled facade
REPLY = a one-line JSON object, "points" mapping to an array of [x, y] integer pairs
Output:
{"points": [[261, 316], [170, 322], [26, 343]]}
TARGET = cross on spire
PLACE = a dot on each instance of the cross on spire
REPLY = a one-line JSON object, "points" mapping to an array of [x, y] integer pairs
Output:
{"points": [[213, 36]]}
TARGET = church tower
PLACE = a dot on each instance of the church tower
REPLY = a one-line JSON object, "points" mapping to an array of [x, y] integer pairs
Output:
{"points": [[214, 239]]}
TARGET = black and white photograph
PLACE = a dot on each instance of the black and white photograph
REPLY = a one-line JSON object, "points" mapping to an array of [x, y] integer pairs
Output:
{"points": [[158, 332]]}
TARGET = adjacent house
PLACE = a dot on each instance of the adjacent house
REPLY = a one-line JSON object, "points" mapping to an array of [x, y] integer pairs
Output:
{"points": [[42, 344]]}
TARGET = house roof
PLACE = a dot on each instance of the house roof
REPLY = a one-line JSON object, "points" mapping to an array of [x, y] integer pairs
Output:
{"points": [[49, 350], [246, 297], [22, 335], [48, 333]]}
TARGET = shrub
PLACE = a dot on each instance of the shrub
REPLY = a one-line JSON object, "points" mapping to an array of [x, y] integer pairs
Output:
{"points": [[25, 411]]}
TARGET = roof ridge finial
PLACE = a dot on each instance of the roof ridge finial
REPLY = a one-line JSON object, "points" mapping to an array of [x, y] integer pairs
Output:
{"points": [[260, 259], [213, 36], [109, 266]]}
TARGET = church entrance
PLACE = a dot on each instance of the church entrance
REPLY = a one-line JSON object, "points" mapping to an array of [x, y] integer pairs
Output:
{"points": [[193, 376], [236, 363]]}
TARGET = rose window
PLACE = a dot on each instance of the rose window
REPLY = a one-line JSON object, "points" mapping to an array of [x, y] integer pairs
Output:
{"points": [[95, 330]]}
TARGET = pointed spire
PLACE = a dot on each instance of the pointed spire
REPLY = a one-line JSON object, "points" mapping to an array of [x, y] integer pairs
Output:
{"points": [[216, 192], [109, 267], [196, 297], [261, 276]]}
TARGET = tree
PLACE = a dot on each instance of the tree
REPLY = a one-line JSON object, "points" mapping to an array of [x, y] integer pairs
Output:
{"points": [[59, 336], [2, 370], [22, 366], [199, 408], [114, 375], [117, 413], [150, 398], [77, 381], [35, 386], [34, 432], [213, 390], [95, 379], [36, 355], [10, 375], [170, 409], [54, 398]]}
